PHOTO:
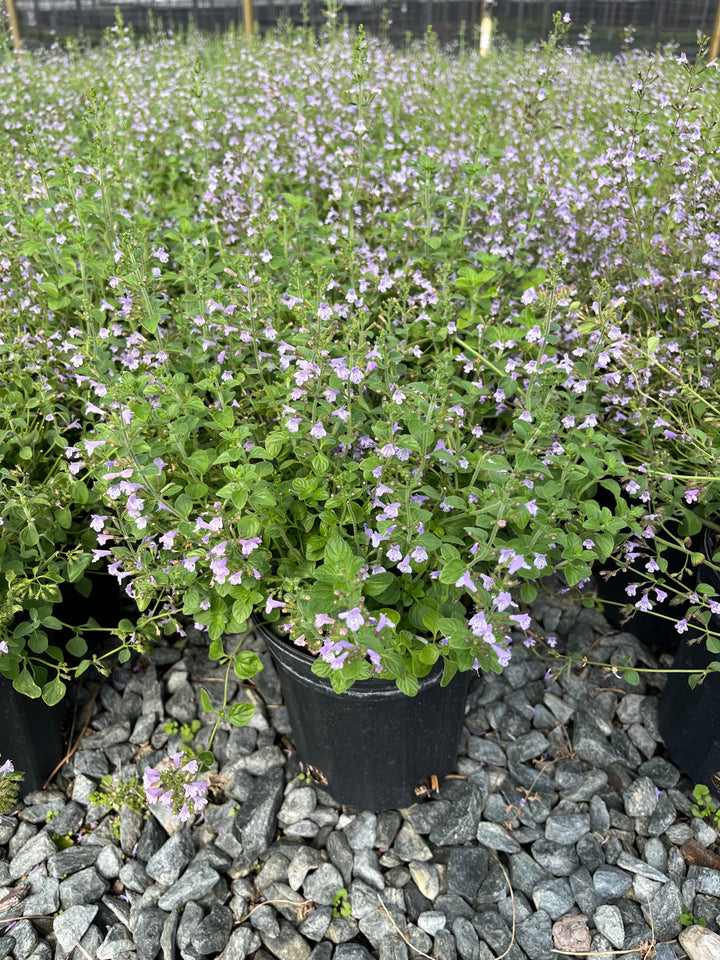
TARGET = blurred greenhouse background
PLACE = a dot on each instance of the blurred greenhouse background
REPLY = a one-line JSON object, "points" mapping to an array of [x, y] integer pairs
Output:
{"points": [[603, 25]]}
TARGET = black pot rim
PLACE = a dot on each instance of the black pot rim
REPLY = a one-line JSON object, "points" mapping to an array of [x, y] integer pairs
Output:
{"points": [[301, 663]]}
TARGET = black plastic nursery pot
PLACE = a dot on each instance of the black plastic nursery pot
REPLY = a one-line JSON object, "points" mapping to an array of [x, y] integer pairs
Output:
{"points": [[688, 718], [371, 745], [31, 735]]}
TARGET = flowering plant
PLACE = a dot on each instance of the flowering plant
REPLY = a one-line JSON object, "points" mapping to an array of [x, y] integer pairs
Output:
{"points": [[382, 486], [667, 389], [10, 780], [175, 786]]}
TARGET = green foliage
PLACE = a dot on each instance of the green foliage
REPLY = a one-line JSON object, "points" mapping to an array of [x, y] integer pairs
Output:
{"points": [[688, 919], [704, 806], [340, 903], [369, 388], [10, 781], [115, 793]]}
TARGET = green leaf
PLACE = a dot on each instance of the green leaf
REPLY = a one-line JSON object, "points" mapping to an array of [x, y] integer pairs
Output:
{"points": [[241, 610], [29, 535], [337, 554], [240, 714], [304, 487], [528, 591], [378, 584], [205, 700], [452, 571], [247, 664], [25, 684], [205, 760], [632, 677], [199, 461], [149, 322], [315, 547], [216, 651], [53, 692], [76, 646], [320, 464], [407, 684]]}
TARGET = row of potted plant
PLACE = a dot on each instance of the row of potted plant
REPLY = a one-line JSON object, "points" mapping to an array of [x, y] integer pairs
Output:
{"points": [[255, 410]]}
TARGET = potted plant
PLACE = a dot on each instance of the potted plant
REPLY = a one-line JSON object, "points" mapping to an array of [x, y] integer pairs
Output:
{"points": [[381, 492]]}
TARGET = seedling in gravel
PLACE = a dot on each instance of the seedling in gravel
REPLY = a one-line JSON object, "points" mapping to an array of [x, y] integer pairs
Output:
{"points": [[688, 918], [10, 780], [187, 731], [116, 794], [341, 903], [704, 806]]}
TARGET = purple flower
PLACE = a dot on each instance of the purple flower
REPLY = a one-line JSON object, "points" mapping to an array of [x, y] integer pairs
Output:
{"points": [[644, 604], [503, 600], [318, 431], [323, 620], [353, 618], [293, 423], [249, 545], [7, 767], [271, 605], [404, 565], [466, 581], [681, 626], [521, 619], [383, 622], [481, 628], [691, 496], [4, 646]]}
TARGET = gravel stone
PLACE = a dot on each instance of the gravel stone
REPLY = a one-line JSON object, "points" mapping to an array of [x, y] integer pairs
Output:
{"points": [[699, 943], [297, 805], [707, 881], [554, 897], [460, 823], [426, 878], [322, 884], [213, 931], [467, 868], [432, 922], [109, 862], [148, 931], [85, 886], [168, 863], [667, 905], [305, 860], [194, 883], [38, 849], [534, 935], [611, 882], [609, 922], [71, 925], [495, 837], [255, 825], [361, 831], [640, 798], [558, 860], [409, 845], [568, 828], [72, 859], [466, 939], [366, 867]]}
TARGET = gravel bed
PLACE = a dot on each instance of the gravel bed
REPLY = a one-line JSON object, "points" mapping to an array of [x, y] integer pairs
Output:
{"points": [[564, 822]]}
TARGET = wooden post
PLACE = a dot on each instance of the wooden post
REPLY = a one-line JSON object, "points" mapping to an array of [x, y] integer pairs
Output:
{"points": [[248, 17], [714, 50], [14, 24]]}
